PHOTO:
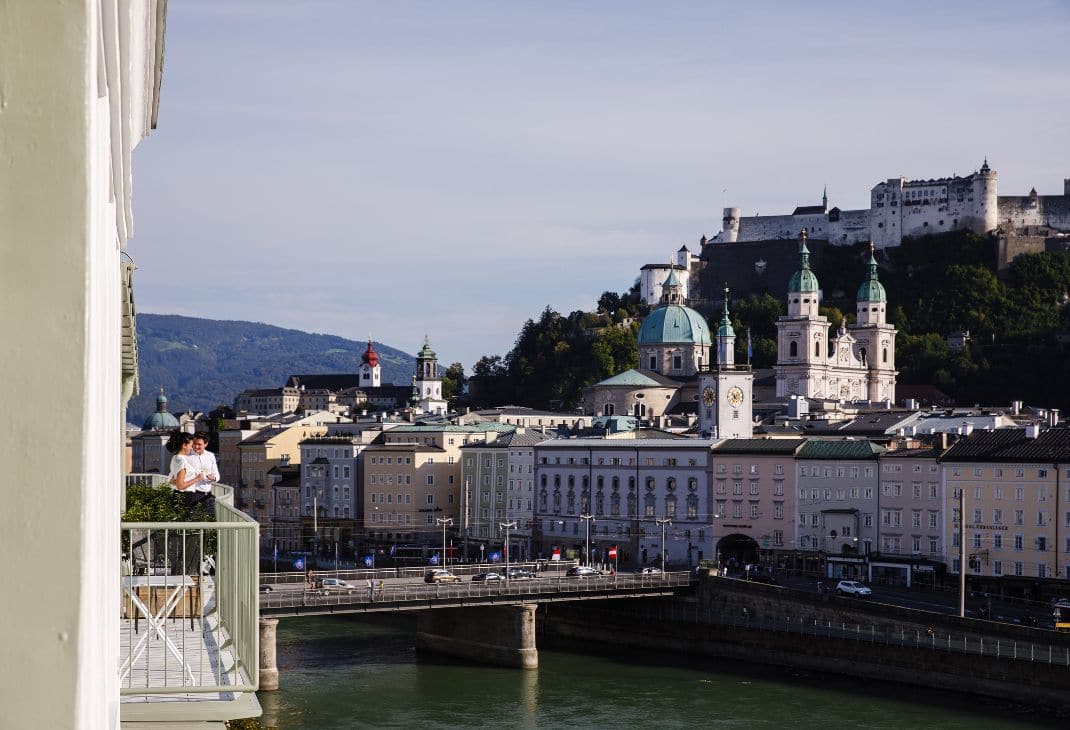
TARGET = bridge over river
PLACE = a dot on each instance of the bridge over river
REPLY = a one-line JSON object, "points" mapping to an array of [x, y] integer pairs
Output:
{"points": [[491, 622]]}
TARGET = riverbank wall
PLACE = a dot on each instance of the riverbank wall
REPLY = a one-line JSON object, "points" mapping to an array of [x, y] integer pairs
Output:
{"points": [[752, 623]]}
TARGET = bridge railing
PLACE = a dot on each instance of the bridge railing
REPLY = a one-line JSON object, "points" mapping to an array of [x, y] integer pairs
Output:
{"points": [[361, 596], [552, 567], [942, 641], [190, 609]]}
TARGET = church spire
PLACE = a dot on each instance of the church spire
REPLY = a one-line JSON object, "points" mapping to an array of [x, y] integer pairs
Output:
{"points": [[726, 336], [825, 198]]}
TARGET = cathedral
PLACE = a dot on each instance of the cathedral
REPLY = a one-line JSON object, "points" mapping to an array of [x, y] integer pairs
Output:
{"points": [[684, 369], [857, 363]]}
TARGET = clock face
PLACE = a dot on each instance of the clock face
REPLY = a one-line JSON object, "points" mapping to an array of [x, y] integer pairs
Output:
{"points": [[735, 396], [707, 396]]}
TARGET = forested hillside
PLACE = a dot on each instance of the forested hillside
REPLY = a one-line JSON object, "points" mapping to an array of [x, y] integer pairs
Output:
{"points": [[202, 363], [936, 285]]}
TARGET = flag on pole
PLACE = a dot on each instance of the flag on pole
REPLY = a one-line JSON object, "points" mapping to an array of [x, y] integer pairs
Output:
{"points": [[613, 553], [556, 554], [750, 347]]}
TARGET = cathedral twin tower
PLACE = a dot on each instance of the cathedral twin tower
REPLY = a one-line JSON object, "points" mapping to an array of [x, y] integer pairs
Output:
{"points": [[857, 363]]}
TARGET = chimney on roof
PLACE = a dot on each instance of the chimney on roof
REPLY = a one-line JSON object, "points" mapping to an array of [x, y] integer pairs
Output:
{"points": [[966, 429], [1053, 419], [284, 460], [1032, 431], [1016, 407], [943, 441]]}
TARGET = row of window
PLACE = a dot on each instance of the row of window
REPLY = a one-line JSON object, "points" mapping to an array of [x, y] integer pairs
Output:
{"points": [[753, 488], [997, 493], [894, 544], [618, 461]]}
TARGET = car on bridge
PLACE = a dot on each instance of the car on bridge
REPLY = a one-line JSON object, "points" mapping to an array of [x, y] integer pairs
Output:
{"points": [[582, 571], [519, 574], [440, 575], [650, 570], [335, 585], [487, 577], [852, 588]]}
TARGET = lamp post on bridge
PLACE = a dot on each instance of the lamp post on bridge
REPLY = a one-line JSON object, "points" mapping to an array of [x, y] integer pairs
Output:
{"points": [[444, 521], [588, 518], [664, 523], [507, 526]]}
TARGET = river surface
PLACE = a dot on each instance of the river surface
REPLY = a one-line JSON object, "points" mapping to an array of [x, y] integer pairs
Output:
{"points": [[352, 672]]}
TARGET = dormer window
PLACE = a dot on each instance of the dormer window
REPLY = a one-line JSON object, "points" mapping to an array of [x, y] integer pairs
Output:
{"points": [[677, 362], [653, 362]]}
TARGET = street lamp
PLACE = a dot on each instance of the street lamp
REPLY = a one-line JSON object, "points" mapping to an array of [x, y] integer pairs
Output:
{"points": [[444, 521], [664, 523], [506, 526], [588, 518]]}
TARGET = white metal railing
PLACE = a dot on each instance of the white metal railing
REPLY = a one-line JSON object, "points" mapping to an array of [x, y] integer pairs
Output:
{"points": [[190, 609], [360, 596]]}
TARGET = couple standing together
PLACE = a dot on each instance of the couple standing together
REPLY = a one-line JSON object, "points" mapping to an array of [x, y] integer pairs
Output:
{"points": [[193, 468]]}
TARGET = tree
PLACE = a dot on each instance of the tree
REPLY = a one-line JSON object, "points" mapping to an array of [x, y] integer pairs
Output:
{"points": [[453, 381]]}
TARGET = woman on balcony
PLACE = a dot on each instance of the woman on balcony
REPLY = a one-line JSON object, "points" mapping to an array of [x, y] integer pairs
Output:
{"points": [[183, 475]]}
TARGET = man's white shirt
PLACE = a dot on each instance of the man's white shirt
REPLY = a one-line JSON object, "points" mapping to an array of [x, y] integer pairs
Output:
{"points": [[204, 463]]}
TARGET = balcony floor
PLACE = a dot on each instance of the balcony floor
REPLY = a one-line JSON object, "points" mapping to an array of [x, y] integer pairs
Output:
{"points": [[207, 658]]}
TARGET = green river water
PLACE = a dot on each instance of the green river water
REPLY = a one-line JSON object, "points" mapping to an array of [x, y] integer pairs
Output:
{"points": [[353, 672]]}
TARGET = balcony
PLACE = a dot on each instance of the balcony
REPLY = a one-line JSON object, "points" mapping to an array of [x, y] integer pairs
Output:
{"points": [[189, 638]]}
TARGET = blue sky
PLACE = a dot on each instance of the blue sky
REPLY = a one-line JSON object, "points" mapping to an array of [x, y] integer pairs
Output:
{"points": [[451, 168]]}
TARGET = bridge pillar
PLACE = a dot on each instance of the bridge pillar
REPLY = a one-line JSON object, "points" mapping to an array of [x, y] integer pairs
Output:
{"points": [[269, 673], [499, 635]]}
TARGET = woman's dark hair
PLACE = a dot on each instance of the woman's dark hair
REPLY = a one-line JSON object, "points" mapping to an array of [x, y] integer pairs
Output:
{"points": [[178, 438]]}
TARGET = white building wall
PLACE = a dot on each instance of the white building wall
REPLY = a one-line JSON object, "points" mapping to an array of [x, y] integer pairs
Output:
{"points": [[75, 104]]}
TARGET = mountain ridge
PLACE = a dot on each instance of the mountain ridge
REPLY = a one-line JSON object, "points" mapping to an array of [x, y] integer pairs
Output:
{"points": [[201, 363]]}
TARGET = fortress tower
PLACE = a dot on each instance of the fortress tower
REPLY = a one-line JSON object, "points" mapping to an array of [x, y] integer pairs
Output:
{"points": [[730, 225], [985, 199]]}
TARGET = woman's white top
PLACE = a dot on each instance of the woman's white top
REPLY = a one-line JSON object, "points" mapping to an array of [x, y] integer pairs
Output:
{"points": [[180, 462]]}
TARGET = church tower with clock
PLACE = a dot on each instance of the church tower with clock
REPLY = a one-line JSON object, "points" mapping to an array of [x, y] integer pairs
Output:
{"points": [[725, 389]]}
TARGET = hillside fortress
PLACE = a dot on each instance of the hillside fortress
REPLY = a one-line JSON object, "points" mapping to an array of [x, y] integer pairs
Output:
{"points": [[900, 208]]}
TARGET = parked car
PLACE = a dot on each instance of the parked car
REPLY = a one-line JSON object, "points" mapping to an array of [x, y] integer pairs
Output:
{"points": [[650, 570], [440, 575], [486, 577], [765, 578], [852, 588], [582, 571], [519, 574], [335, 585]]}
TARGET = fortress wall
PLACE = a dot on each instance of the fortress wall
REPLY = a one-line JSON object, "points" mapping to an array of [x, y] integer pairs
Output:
{"points": [[1045, 210], [772, 227]]}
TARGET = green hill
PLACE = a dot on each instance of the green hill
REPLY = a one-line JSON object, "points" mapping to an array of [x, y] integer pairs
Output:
{"points": [[202, 363]]}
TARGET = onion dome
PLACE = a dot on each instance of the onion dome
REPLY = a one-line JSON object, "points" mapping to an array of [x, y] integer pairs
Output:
{"points": [[370, 356], [871, 289], [803, 280]]}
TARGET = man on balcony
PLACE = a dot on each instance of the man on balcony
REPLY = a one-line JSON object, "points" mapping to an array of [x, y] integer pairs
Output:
{"points": [[204, 463]]}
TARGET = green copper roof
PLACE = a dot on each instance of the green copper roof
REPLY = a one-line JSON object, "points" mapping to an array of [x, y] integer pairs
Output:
{"points": [[672, 323], [725, 328], [632, 378], [840, 450], [672, 279], [871, 289], [426, 353], [803, 280]]}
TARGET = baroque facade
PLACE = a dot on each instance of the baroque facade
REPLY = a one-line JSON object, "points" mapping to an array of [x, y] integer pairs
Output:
{"points": [[857, 363]]}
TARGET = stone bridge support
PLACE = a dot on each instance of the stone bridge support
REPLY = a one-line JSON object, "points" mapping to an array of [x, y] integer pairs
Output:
{"points": [[269, 672], [499, 635]]}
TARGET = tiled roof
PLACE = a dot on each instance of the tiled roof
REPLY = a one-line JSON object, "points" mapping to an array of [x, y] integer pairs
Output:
{"points": [[861, 449], [1012, 444], [602, 443], [785, 447], [330, 381], [481, 427], [919, 453], [530, 437]]}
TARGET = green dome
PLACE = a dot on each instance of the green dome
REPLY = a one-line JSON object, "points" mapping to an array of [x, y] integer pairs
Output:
{"points": [[803, 280], [672, 324], [161, 420], [871, 289]]}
